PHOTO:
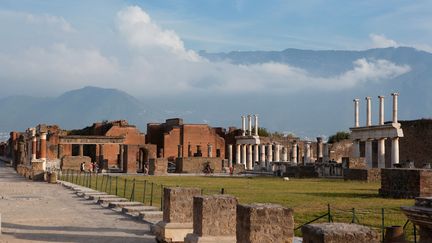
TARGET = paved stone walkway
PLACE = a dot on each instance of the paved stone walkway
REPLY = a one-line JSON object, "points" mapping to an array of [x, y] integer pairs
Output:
{"points": [[42, 212]]}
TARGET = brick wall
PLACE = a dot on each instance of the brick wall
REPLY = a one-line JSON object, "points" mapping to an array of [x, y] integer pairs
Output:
{"points": [[196, 164]]}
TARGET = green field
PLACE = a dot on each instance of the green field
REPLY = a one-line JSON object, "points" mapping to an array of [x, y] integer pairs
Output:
{"points": [[309, 198]]}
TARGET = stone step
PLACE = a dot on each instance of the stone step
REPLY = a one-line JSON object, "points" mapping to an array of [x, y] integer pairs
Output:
{"points": [[133, 209], [87, 194], [123, 204], [151, 216], [97, 197], [105, 200]]}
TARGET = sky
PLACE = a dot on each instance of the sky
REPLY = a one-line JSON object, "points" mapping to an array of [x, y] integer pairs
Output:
{"points": [[151, 47]]}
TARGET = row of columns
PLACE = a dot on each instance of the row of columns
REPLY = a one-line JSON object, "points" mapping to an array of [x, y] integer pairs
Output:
{"points": [[381, 141], [246, 154], [248, 131], [34, 145], [180, 150]]}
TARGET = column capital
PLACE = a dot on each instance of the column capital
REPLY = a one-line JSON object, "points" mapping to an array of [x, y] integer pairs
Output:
{"points": [[381, 96], [356, 100], [368, 98], [395, 94]]}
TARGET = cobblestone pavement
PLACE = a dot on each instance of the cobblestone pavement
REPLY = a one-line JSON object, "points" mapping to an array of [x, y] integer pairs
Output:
{"points": [[42, 212]]}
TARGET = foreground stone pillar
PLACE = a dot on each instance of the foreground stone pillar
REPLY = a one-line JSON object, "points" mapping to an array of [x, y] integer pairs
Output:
{"points": [[230, 157], [258, 223], [214, 219], [263, 157], [368, 152], [381, 153], [249, 164], [395, 151], [277, 153], [177, 214], [43, 146], [338, 233], [356, 149], [294, 153], [238, 154]]}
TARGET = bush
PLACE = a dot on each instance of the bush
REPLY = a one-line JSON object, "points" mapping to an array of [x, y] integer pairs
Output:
{"points": [[339, 136]]}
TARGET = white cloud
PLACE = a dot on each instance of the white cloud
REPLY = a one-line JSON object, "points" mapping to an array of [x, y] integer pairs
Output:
{"points": [[381, 41], [50, 20], [158, 63]]}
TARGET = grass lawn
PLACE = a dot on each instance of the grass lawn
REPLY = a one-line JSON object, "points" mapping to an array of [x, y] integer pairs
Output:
{"points": [[307, 197]]}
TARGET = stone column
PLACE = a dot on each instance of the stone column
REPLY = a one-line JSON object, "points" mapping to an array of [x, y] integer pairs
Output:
{"points": [[256, 125], [238, 154], [326, 152], [307, 153], [177, 214], [210, 150], [179, 151], [381, 153], [121, 162], [356, 113], [368, 112], [395, 107], [270, 152], [368, 152], [381, 110], [263, 157], [34, 145], [249, 125], [214, 219], [258, 223], [249, 164], [256, 154], [356, 149], [284, 154], [81, 150], [277, 153], [43, 146], [243, 125], [395, 151], [244, 154], [294, 153], [319, 152], [230, 157]]}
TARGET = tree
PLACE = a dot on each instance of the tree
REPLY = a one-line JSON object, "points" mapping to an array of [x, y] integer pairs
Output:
{"points": [[262, 131], [339, 136]]}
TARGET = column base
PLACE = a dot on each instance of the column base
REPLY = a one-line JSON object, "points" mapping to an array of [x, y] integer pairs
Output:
{"points": [[193, 238], [172, 232]]}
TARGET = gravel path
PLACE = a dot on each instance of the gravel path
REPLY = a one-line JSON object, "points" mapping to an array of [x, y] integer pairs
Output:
{"points": [[42, 212]]}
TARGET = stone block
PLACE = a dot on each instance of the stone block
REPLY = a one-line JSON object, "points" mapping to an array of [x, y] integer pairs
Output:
{"points": [[369, 175], [338, 233], [214, 219], [406, 183], [258, 223]]}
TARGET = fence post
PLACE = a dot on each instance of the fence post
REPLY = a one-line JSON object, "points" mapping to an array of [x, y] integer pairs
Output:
{"points": [[96, 181], [151, 194], [353, 220], [90, 180], [144, 192], [382, 224], [329, 213], [161, 202], [415, 232], [124, 189], [132, 196], [106, 183], [222, 191], [110, 182], [116, 190]]}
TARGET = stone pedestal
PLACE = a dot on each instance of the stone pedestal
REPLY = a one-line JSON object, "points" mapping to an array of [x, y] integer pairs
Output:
{"points": [[421, 215], [214, 219], [338, 233], [177, 214], [406, 183], [257, 223]]}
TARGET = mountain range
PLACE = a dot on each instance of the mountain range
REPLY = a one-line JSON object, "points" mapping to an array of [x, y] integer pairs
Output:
{"points": [[307, 113]]}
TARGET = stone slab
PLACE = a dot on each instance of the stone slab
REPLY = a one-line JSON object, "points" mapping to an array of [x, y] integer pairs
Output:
{"points": [[192, 238], [134, 209], [97, 197], [123, 204], [111, 199], [152, 216], [338, 233], [172, 232]]}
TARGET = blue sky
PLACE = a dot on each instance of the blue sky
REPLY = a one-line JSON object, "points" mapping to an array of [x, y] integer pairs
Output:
{"points": [[225, 25]]}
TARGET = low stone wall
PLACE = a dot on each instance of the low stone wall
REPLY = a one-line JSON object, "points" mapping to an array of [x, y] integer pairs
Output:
{"points": [[158, 166], [406, 183], [369, 175], [356, 163], [238, 168], [301, 171], [28, 172], [196, 164], [74, 162], [329, 169], [338, 233]]}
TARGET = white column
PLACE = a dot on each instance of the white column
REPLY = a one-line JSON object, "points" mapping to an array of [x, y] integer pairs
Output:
{"points": [[243, 125], [307, 152], [34, 144], [368, 152], [249, 125], [256, 125], [356, 149], [243, 154], [238, 154], [395, 151], [325, 152], [270, 153], [249, 164], [381, 110], [255, 154], [277, 153], [230, 155], [263, 158], [381, 153], [284, 154], [294, 153], [319, 148], [368, 112], [395, 108], [356, 113]]}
